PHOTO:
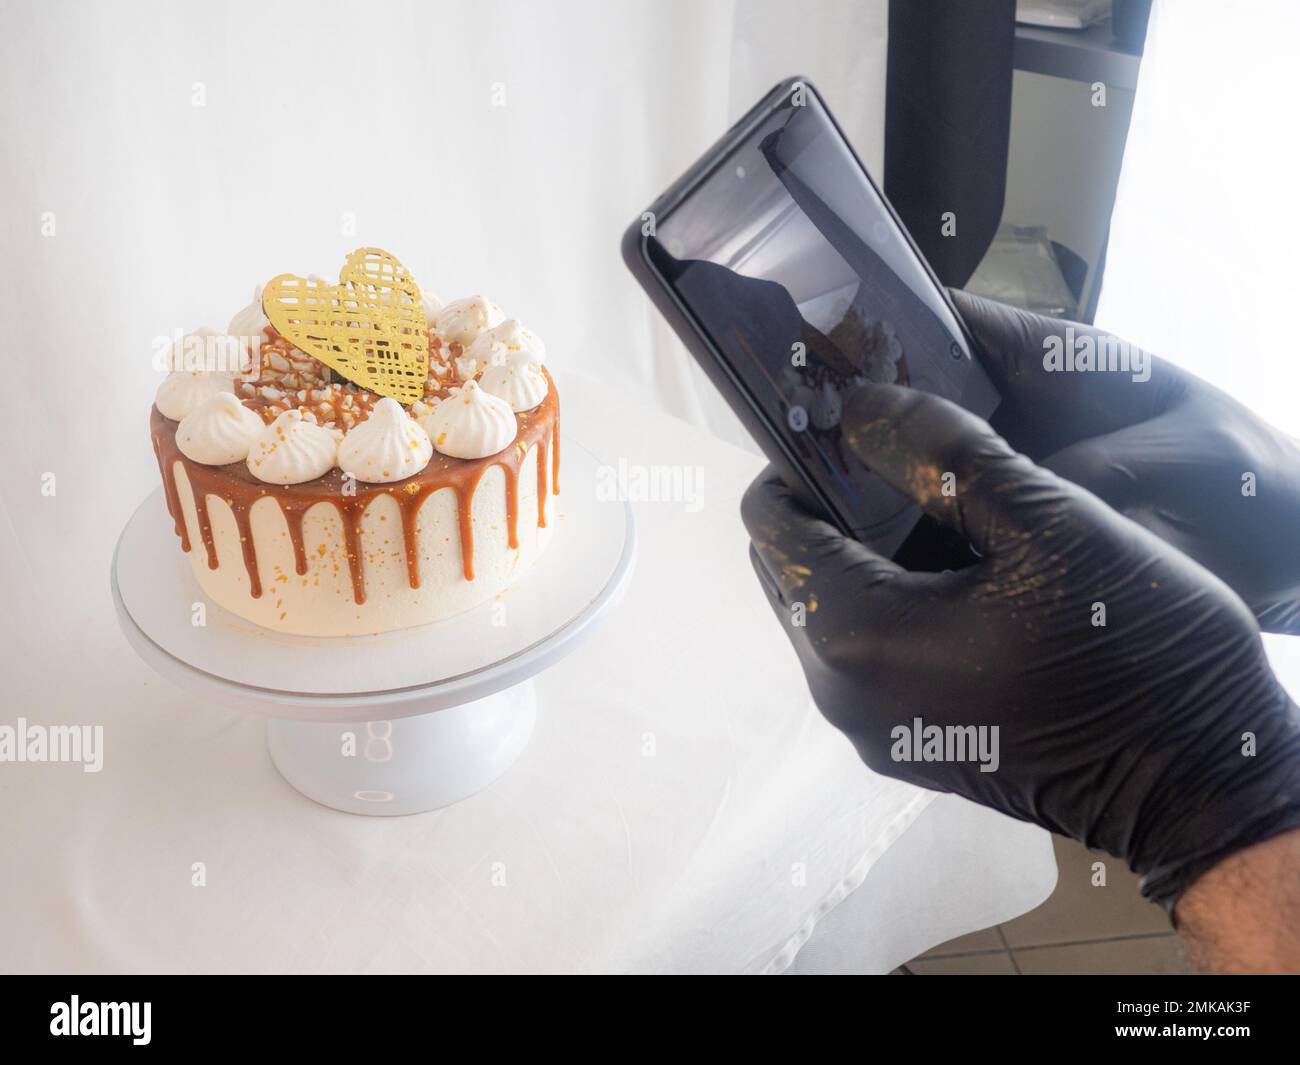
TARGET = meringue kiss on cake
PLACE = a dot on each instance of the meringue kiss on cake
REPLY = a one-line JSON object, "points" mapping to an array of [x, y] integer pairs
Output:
{"points": [[376, 460]]}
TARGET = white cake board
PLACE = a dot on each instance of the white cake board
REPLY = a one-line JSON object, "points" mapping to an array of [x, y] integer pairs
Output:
{"points": [[400, 722]]}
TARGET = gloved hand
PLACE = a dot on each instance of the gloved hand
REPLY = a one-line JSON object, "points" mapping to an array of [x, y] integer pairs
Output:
{"points": [[1171, 452], [1124, 680]]}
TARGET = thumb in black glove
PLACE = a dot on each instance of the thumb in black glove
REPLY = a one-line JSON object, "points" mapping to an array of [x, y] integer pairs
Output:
{"points": [[1133, 706]]}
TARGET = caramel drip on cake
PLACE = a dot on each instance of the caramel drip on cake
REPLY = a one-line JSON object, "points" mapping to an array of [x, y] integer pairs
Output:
{"points": [[169, 490], [538, 428], [205, 528], [464, 498], [541, 480], [351, 515], [293, 519], [512, 505]]}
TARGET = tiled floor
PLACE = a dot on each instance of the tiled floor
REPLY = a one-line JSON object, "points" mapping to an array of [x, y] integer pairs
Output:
{"points": [[1085, 927]]}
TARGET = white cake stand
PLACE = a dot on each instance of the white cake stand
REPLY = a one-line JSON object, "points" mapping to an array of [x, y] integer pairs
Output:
{"points": [[396, 723]]}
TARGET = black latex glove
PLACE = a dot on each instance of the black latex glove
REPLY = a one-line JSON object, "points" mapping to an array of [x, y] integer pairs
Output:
{"points": [[1169, 452], [1127, 736]]}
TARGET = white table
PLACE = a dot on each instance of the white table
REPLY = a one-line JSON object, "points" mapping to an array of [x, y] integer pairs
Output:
{"points": [[681, 807]]}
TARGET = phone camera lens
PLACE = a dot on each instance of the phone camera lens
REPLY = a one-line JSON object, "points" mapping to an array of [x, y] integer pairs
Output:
{"points": [[954, 349], [797, 418]]}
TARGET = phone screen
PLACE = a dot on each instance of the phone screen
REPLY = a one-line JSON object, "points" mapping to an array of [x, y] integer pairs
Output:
{"points": [[794, 267]]}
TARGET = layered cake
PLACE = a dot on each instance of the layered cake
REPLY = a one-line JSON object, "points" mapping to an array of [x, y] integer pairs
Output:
{"points": [[313, 504]]}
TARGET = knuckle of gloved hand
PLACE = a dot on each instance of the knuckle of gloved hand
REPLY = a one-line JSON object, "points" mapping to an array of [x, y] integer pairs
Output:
{"points": [[841, 652], [875, 759], [1239, 629], [841, 716], [960, 476], [1226, 443], [869, 719], [957, 446], [1090, 467], [875, 748]]}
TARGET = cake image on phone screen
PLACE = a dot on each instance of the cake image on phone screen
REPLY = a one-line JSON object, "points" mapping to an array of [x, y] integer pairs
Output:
{"points": [[356, 458]]}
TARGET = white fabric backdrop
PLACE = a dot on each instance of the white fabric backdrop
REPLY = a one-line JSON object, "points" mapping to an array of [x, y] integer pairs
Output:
{"points": [[1204, 235], [165, 213], [145, 190]]}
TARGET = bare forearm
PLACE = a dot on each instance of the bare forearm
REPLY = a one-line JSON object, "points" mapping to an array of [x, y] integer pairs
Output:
{"points": [[1243, 916]]}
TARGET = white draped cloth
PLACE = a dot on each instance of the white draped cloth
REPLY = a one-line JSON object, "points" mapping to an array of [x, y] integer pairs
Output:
{"points": [[682, 806]]}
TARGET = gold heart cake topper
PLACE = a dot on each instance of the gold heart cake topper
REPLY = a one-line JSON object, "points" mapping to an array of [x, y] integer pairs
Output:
{"points": [[369, 327]]}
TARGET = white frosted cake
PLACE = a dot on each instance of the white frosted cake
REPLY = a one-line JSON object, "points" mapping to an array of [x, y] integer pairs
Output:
{"points": [[310, 505]]}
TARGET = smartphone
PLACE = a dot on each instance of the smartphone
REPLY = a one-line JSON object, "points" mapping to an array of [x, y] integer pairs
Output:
{"points": [[791, 280]]}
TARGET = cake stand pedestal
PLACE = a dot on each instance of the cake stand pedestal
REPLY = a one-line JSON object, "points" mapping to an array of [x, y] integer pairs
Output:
{"points": [[401, 722], [405, 765]]}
